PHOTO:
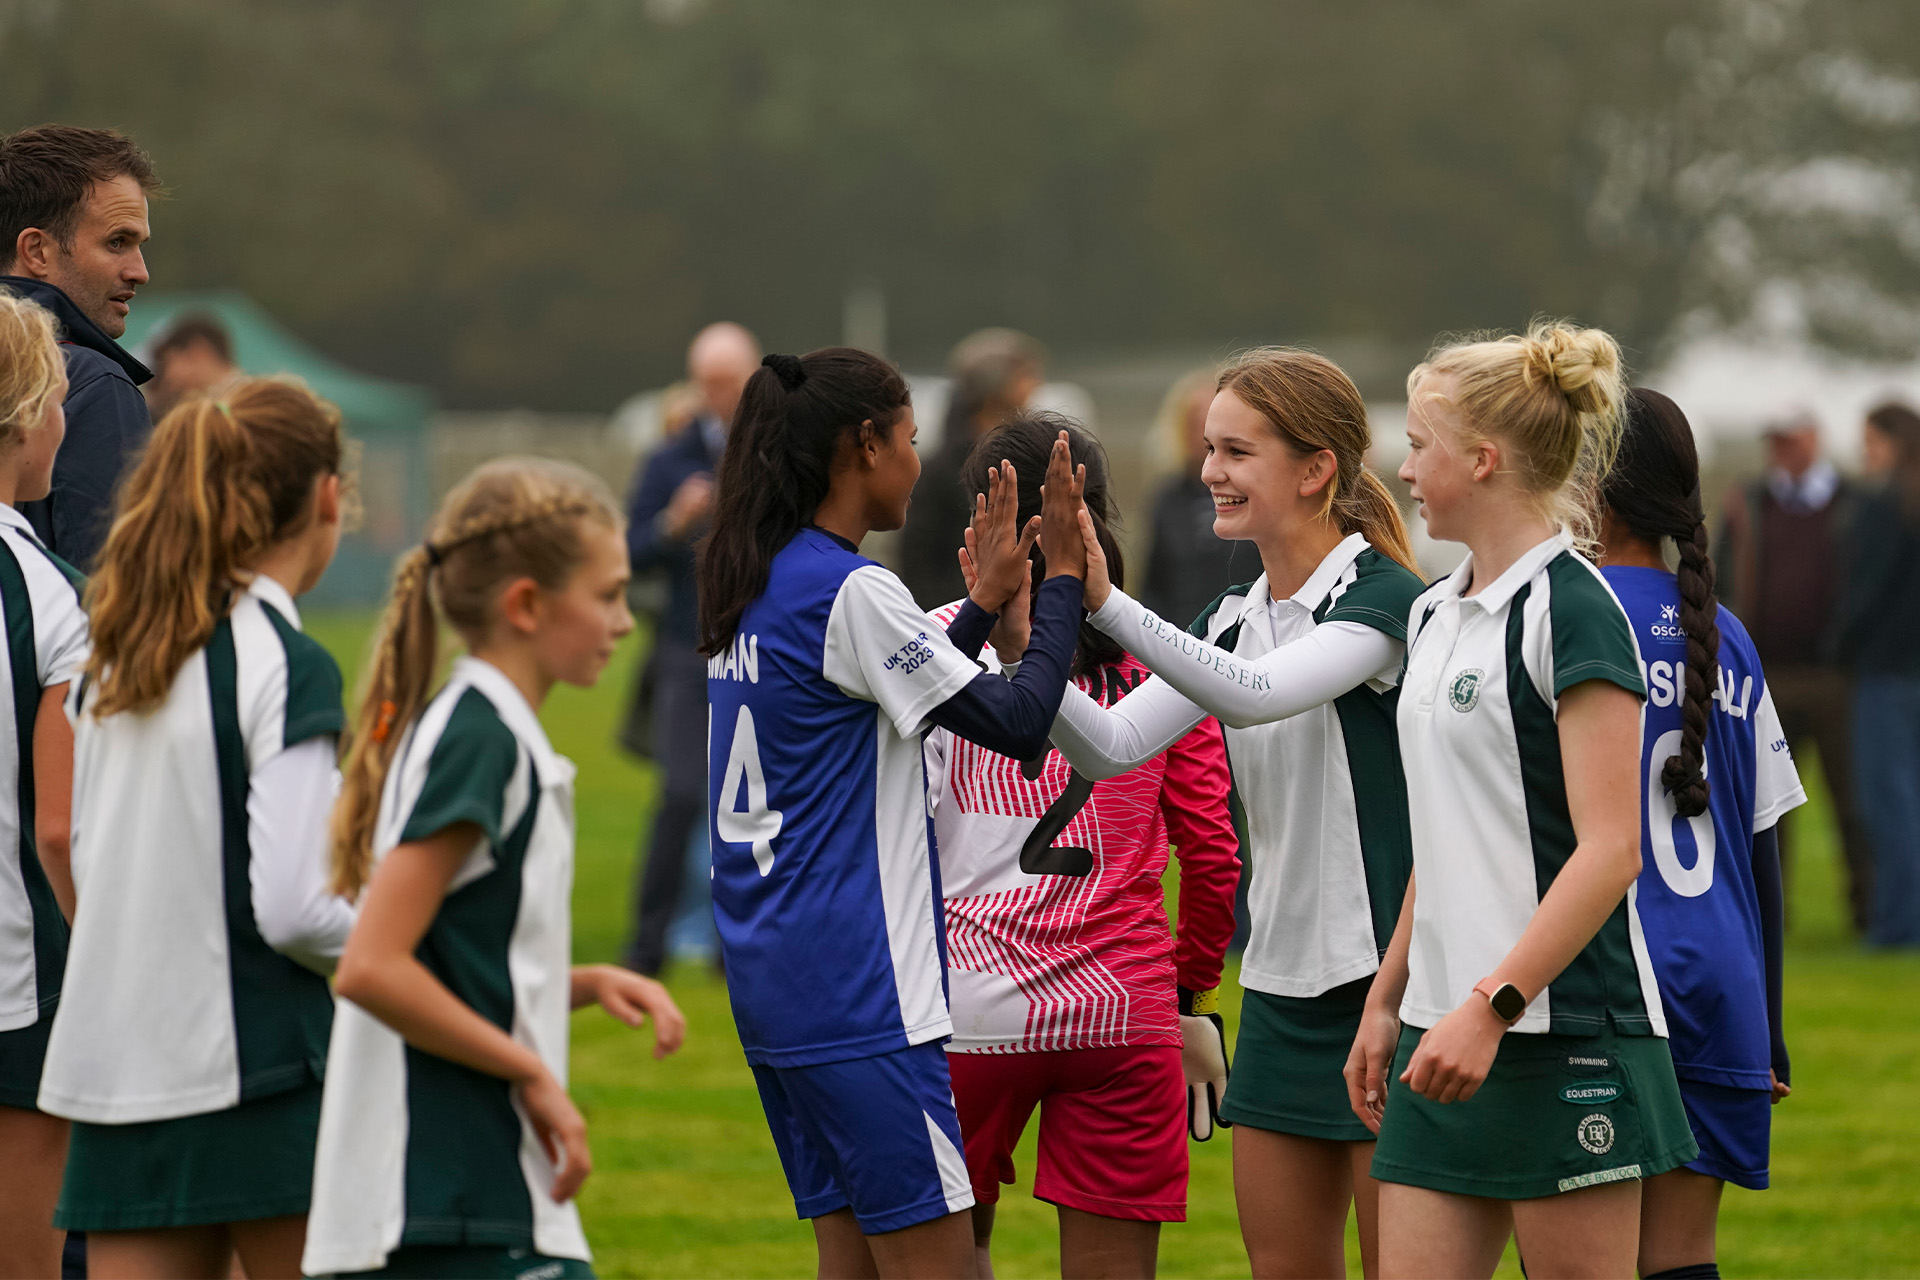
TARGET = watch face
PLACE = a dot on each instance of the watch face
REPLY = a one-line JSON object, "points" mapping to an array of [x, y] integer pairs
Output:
{"points": [[1508, 1003]]}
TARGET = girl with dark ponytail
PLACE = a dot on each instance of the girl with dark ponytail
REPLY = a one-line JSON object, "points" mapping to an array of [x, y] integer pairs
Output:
{"points": [[1717, 778], [822, 676]]}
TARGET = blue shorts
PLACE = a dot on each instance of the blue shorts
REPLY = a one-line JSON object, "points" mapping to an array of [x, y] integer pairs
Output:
{"points": [[878, 1135], [1733, 1127]]}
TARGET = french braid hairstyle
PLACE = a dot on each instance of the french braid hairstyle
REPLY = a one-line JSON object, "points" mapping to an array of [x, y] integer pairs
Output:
{"points": [[513, 518], [1654, 490], [219, 483]]}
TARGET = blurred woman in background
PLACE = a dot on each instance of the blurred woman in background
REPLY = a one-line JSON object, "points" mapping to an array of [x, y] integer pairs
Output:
{"points": [[1188, 565], [994, 372]]}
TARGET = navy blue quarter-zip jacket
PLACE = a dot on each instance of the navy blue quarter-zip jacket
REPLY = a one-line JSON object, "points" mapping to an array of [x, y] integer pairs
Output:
{"points": [[107, 426]]}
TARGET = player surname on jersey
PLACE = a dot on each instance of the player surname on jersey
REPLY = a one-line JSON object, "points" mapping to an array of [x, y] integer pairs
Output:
{"points": [[741, 660]]}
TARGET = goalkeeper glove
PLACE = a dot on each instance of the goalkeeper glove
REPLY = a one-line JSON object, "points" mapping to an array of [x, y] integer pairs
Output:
{"points": [[1203, 1056]]}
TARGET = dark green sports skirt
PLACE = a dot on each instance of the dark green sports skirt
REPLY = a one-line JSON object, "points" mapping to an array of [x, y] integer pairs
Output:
{"points": [[476, 1262], [250, 1161], [22, 1053], [1288, 1061], [1556, 1113]]}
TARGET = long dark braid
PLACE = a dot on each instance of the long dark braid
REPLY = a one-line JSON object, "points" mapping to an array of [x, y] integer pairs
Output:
{"points": [[1654, 489]]}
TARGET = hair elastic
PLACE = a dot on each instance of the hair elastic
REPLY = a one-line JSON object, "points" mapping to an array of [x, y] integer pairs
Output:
{"points": [[786, 368]]}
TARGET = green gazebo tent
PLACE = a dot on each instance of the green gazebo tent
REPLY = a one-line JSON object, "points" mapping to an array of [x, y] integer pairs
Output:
{"points": [[388, 419]]}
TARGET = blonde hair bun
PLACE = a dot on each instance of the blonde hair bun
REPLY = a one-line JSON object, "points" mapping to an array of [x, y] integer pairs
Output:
{"points": [[1553, 397], [1582, 364]]}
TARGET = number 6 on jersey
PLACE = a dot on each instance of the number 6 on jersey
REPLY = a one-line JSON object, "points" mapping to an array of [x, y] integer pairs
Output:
{"points": [[756, 824]]}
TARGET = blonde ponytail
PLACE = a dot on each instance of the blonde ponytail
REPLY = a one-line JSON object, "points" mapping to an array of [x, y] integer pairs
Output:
{"points": [[394, 690], [1554, 397], [1369, 508], [1312, 404], [510, 519], [219, 483]]}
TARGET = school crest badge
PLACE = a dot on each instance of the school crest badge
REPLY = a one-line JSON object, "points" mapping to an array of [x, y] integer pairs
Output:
{"points": [[1464, 692], [1596, 1134]]}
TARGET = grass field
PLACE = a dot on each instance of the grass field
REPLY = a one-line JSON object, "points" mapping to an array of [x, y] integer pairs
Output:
{"points": [[686, 1182]]}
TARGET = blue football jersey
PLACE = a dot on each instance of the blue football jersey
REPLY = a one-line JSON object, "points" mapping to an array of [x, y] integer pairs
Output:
{"points": [[826, 886], [1696, 896]]}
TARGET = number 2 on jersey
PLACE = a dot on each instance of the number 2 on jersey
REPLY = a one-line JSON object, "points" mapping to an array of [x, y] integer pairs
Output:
{"points": [[756, 824]]}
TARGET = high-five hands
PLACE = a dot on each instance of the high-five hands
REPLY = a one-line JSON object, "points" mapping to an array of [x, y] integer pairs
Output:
{"points": [[996, 559], [1099, 584], [1061, 505]]}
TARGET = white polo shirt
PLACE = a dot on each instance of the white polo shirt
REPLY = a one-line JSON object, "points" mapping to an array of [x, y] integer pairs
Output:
{"points": [[415, 1149], [174, 1002], [1487, 796], [46, 632]]}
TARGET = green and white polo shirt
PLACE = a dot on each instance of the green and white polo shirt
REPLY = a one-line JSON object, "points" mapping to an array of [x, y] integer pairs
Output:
{"points": [[46, 633], [414, 1149], [1325, 800], [173, 1004], [1487, 795]]}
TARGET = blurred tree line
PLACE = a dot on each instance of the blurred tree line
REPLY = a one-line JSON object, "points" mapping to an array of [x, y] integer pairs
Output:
{"points": [[536, 201]]}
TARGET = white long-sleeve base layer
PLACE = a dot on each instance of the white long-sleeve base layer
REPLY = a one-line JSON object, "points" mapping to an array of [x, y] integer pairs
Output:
{"points": [[1303, 687], [1193, 679], [289, 808]]}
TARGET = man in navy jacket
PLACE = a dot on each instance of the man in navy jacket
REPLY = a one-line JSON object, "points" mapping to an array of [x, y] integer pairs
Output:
{"points": [[666, 515], [73, 218]]}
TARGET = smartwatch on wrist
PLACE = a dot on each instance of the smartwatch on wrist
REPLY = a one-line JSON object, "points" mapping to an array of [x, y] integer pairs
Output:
{"points": [[1508, 1004]]}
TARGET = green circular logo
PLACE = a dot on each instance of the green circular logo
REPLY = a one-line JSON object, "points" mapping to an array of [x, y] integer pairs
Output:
{"points": [[1464, 692]]}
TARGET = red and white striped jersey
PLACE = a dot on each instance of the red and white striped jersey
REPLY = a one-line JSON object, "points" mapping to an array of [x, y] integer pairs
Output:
{"points": [[1043, 958]]}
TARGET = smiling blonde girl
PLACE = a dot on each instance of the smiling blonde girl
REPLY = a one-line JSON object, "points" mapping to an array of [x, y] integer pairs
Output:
{"points": [[1300, 666]]}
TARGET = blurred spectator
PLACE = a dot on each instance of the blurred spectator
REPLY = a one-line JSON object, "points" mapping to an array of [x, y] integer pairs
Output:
{"points": [[995, 372], [677, 406], [73, 218], [1187, 566], [1780, 567], [193, 355], [667, 513], [1879, 637]]}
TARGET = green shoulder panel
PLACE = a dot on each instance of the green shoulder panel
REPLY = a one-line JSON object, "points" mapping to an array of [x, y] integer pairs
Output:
{"points": [[1205, 620], [1592, 639], [1381, 595], [468, 773], [314, 684]]}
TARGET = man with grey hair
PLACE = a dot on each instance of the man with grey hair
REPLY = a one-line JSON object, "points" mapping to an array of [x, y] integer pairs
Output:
{"points": [[667, 513]]}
